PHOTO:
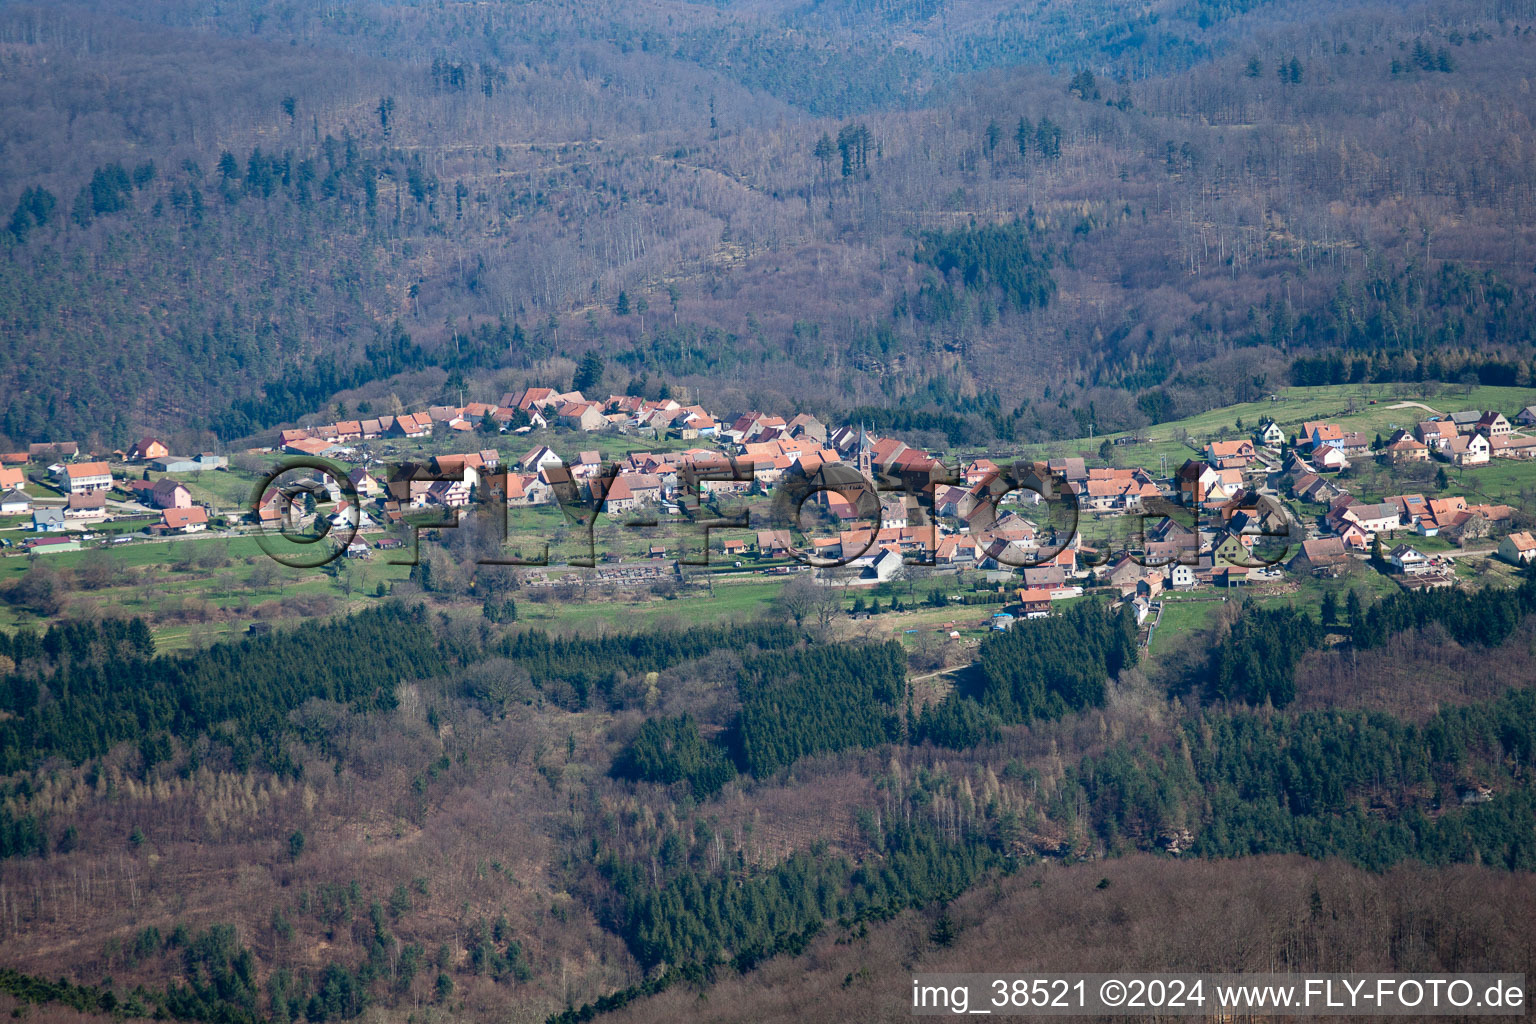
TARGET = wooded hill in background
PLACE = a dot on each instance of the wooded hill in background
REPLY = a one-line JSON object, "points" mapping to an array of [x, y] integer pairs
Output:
{"points": [[1003, 224]]}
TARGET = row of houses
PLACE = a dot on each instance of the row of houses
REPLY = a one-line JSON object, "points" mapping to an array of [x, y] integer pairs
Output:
{"points": [[86, 486], [1468, 438], [520, 411]]}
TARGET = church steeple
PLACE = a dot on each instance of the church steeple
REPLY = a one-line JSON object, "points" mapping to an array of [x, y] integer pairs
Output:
{"points": [[865, 456]]}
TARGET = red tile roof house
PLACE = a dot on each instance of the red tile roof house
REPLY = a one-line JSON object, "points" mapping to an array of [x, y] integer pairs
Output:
{"points": [[1322, 553], [1507, 446], [83, 477], [1352, 442], [1328, 457], [185, 520], [446, 414], [1494, 424], [1404, 448], [773, 542], [584, 416], [1519, 548], [312, 446], [1229, 454], [1036, 603], [418, 425], [980, 471], [529, 399], [645, 487], [1435, 433], [1470, 450], [147, 448], [470, 468], [1316, 432], [615, 495]]}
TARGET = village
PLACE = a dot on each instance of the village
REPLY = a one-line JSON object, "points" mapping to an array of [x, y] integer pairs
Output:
{"points": [[1264, 509]]}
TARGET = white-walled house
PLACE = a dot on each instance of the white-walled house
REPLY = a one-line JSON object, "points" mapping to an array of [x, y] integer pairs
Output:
{"points": [[1519, 548], [1409, 560], [1469, 450], [84, 477]]}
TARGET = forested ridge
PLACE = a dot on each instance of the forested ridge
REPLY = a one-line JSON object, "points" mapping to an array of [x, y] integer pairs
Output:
{"points": [[695, 919], [670, 750], [1256, 662], [1020, 254], [221, 983], [82, 688], [591, 665]]}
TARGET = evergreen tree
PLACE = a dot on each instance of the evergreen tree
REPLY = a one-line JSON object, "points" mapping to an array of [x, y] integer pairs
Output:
{"points": [[1083, 86], [1257, 660], [1353, 613], [823, 153], [1023, 136], [993, 136], [670, 750], [1048, 139], [589, 373]]}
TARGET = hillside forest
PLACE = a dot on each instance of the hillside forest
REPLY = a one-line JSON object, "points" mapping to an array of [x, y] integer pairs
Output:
{"points": [[222, 218]]}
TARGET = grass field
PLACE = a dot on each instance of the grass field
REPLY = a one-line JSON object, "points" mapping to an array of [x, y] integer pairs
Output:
{"points": [[1183, 616], [629, 611], [200, 584], [1187, 614]]}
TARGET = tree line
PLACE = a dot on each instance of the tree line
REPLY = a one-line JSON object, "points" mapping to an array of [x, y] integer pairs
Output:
{"points": [[238, 694], [590, 666]]}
